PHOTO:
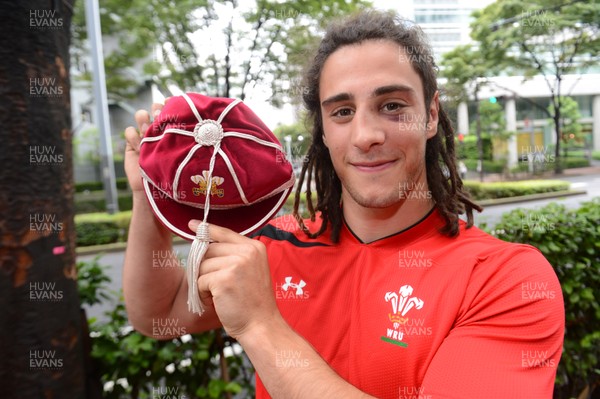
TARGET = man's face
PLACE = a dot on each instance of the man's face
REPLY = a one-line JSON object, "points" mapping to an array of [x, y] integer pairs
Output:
{"points": [[375, 123]]}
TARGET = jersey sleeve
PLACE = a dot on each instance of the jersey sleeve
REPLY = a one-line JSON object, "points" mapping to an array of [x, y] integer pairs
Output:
{"points": [[507, 339]]}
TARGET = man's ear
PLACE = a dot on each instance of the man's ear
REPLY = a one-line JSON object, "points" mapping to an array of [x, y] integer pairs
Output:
{"points": [[433, 115]]}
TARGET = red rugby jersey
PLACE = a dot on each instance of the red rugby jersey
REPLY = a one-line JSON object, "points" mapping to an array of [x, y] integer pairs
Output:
{"points": [[419, 314]]}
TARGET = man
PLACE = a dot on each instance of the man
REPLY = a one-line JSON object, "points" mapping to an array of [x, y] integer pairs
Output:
{"points": [[389, 294]]}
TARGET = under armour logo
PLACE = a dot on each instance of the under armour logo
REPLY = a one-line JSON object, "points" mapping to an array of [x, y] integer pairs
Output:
{"points": [[298, 287]]}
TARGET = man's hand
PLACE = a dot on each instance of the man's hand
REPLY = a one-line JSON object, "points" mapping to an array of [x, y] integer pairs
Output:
{"points": [[153, 293], [132, 149], [235, 279]]}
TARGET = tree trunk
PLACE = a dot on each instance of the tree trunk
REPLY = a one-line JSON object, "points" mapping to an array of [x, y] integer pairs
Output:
{"points": [[478, 133], [40, 320], [558, 167]]}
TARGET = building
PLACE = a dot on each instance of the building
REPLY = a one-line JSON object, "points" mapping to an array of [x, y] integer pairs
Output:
{"points": [[446, 22]]}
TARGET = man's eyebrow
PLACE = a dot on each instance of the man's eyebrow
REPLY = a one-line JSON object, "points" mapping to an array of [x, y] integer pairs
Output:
{"points": [[336, 98], [377, 92], [392, 88]]}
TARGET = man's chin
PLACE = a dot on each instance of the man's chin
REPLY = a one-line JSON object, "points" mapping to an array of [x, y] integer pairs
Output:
{"points": [[376, 200]]}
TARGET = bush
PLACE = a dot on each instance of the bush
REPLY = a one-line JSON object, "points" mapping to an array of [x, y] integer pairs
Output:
{"points": [[577, 153], [96, 233], [488, 166], [92, 282], [132, 365], [596, 155], [101, 228], [88, 186], [288, 206], [95, 204], [122, 184], [572, 162], [481, 191], [468, 148], [570, 240], [567, 163]]}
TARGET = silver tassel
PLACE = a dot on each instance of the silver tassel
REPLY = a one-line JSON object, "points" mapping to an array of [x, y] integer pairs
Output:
{"points": [[197, 251]]}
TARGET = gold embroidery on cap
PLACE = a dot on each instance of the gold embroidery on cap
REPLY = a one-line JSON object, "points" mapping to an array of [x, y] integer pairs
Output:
{"points": [[202, 182]]}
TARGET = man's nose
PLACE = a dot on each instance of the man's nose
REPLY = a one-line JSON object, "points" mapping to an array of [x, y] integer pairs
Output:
{"points": [[367, 130]]}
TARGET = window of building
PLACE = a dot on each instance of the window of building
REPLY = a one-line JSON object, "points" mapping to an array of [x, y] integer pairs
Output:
{"points": [[585, 105], [525, 108]]}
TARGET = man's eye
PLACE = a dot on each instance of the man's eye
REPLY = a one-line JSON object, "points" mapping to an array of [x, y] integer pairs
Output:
{"points": [[392, 106], [343, 112]]}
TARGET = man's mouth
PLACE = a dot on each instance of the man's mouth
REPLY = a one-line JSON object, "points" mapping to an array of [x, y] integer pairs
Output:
{"points": [[372, 166]]}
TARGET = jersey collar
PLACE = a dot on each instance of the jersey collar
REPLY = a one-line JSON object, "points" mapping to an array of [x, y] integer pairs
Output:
{"points": [[429, 224]]}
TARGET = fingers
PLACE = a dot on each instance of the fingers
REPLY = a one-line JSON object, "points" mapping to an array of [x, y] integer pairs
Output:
{"points": [[220, 234], [215, 264], [133, 139], [156, 108], [206, 281], [142, 119], [204, 290], [217, 249]]}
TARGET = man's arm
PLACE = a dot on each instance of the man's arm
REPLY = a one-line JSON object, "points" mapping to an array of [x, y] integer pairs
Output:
{"points": [[154, 296], [235, 280], [308, 376], [507, 342]]}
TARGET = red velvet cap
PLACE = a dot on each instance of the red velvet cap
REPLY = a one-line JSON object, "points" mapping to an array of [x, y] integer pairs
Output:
{"points": [[251, 177]]}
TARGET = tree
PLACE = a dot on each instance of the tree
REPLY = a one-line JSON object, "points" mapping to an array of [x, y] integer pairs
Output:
{"points": [[295, 139], [466, 69], [569, 122], [41, 334], [492, 117], [542, 39], [220, 48]]}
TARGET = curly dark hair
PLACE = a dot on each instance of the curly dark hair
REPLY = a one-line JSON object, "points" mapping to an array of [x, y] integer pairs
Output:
{"points": [[444, 182]]}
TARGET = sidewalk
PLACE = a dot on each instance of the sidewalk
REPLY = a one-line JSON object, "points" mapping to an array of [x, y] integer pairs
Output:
{"points": [[496, 177]]}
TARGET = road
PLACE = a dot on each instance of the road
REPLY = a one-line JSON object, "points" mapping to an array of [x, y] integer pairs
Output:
{"points": [[591, 183], [491, 215]]}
